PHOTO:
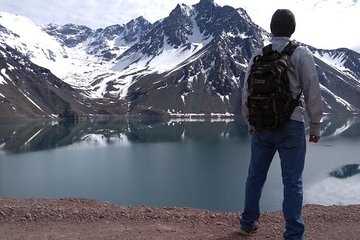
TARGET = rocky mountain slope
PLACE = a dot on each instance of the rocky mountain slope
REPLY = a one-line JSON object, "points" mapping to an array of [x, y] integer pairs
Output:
{"points": [[30, 91], [191, 62]]}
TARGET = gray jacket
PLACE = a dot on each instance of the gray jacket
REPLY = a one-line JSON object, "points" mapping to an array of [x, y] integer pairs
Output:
{"points": [[302, 76]]}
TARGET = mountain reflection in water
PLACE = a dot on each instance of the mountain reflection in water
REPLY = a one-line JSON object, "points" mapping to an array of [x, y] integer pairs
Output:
{"points": [[346, 171], [36, 136]]}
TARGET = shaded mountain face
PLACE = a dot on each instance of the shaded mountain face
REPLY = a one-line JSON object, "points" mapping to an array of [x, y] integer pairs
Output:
{"points": [[31, 91], [339, 75], [191, 62], [69, 34]]}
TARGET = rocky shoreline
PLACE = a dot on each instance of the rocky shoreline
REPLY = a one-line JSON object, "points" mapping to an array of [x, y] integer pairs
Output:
{"points": [[90, 219]]}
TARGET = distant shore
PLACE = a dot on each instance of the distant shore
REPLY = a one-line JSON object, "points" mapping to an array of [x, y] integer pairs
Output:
{"points": [[90, 219]]}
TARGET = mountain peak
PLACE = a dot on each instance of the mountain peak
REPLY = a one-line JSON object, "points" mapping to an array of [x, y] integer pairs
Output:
{"points": [[181, 10], [139, 20], [244, 14], [212, 2], [206, 4], [69, 34], [136, 28]]}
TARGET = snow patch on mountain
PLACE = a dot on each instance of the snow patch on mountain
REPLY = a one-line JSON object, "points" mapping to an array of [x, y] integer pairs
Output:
{"points": [[2, 80], [117, 82], [167, 57], [27, 95], [170, 57], [347, 125], [336, 61], [3, 73], [29, 39], [338, 99], [72, 65]]}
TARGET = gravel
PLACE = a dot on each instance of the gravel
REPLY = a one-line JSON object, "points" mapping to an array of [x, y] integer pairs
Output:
{"points": [[89, 219]]}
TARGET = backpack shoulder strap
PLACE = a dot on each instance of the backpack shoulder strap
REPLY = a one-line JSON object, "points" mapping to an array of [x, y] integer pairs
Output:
{"points": [[267, 50], [289, 49]]}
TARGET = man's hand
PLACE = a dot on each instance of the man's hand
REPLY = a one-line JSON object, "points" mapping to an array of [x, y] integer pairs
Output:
{"points": [[314, 138]]}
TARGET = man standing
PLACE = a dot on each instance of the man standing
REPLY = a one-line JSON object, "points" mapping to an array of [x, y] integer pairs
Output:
{"points": [[289, 139]]}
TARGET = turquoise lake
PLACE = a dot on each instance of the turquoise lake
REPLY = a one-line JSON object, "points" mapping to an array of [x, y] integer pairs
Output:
{"points": [[183, 163]]}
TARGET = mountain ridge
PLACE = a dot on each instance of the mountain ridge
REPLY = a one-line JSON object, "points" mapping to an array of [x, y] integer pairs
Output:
{"points": [[195, 58]]}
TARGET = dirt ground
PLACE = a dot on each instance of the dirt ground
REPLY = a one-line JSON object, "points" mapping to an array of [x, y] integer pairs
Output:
{"points": [[87, 219]]}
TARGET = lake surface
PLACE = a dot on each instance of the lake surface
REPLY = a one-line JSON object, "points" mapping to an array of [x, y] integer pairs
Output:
{"points": [[200, 164]]}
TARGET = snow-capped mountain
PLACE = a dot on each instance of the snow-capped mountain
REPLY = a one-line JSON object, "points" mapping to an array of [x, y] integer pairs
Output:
{"points": [[28, 90], [339, 74], [107, 43], [196, 61], [192, 61], [47, 51]]}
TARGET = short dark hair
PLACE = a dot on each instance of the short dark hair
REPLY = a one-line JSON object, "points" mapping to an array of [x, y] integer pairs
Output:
{"points": [[283, 23]]}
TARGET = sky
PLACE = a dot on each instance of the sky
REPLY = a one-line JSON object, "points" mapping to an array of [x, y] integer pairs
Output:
{"points": [[326, 24]]}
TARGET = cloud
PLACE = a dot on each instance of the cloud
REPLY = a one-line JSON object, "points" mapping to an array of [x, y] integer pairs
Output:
{"points": [[357, 48], [322, 24], [92, 13]]}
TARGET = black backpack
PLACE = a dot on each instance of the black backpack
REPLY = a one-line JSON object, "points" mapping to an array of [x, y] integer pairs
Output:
{"points": [[270, 101]]}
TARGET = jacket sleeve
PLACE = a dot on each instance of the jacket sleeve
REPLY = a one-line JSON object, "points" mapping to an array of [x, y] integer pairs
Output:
{"points": [[311, 90], [245, 95]]}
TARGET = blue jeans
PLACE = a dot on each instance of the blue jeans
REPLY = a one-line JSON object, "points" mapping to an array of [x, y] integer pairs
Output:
{"points": [[290, 142]]}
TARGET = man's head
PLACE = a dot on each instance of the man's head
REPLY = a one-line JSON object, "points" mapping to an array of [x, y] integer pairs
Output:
{"points": [[282, 23]]}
